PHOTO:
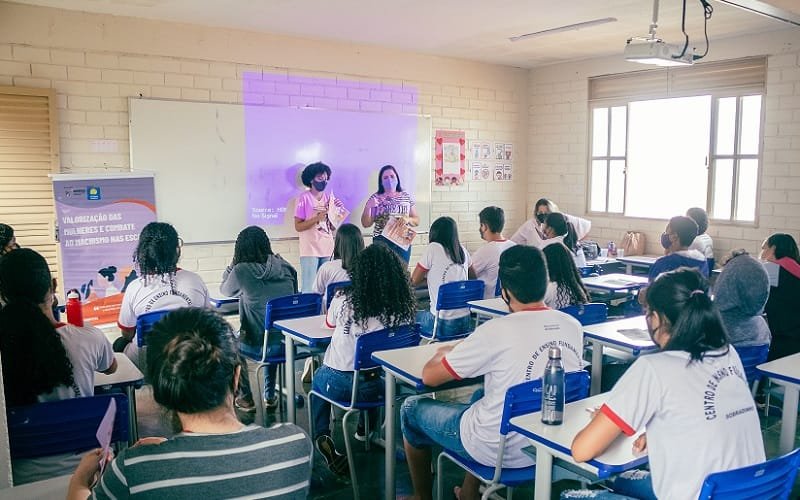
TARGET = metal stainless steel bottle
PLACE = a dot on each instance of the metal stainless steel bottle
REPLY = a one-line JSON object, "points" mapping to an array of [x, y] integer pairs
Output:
{"points": [[553, 389]]}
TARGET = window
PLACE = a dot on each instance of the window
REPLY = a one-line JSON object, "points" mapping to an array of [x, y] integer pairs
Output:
{"points": [[666, 140]]}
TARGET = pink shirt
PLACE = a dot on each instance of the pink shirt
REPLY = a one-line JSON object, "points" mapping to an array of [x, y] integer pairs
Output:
{"points": [[316, 241]]}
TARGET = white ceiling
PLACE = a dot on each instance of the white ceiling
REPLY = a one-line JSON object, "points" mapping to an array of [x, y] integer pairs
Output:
{"points": [[468, 29]]}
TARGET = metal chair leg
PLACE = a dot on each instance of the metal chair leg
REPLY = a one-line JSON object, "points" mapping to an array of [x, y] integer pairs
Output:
{"points": [[260, 398], [439, 479], [349, 450], [367, 432]]}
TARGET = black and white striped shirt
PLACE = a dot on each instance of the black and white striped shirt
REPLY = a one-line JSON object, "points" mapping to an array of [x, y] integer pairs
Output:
{"points": [[252, 463]]}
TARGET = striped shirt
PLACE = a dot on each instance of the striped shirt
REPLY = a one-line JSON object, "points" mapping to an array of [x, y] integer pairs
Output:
{"points": [[252, 463], [399, 203]]}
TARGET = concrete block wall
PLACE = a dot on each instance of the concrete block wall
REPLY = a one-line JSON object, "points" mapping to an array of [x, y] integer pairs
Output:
{"points": [[94, 75]]}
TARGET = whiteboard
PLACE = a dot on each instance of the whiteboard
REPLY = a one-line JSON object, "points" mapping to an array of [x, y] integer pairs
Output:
{"points": [[212, 161]]}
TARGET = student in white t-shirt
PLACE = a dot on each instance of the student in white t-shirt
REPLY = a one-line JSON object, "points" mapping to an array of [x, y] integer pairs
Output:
{"points": [[348, 244], [445, 260], [702, 242], [379, 297], [43, 360], [558, 229], [565, 287], [531, 232], [161, 284], [485, 260], [692, 397], [506, 351]]}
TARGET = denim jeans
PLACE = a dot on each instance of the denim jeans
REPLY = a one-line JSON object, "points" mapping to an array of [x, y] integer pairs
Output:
{"points": [[308, 271], [446, 327], [630, 485], [338, 385], [403, 254], [275, 347], [426, 422]]}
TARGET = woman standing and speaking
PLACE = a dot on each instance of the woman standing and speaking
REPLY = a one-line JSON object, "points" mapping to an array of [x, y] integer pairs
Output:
{"points": [[389, 201]]}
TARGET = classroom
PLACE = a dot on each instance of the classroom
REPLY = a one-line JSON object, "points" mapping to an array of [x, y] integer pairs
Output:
{"points": [[188, 106]]}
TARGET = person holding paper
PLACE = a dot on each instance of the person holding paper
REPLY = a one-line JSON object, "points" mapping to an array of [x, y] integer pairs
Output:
{"points": [[313, 221], [391, 202]]}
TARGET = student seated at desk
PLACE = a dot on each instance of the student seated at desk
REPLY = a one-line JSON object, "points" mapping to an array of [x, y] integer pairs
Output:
{"points": [[692, 397], [676, 238], [557, 229], [43, 360], [348, 244], [740, 294], [506, 351], [702, 242], [445, 260], [161, 283], [193, 366], [257, 275], [565, 287], [784, 297], [531, 232], [379, 297], [485, 260]]}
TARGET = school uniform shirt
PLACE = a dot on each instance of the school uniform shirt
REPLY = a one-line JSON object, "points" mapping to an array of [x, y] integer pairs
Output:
{"points": [[699, 417], [528, 234], [442, 270], [316, 241], [341, 352], [400, 204], [485, 262], [703, 244], [681, 258], [508, 351], [577, 255], [329, 272]]}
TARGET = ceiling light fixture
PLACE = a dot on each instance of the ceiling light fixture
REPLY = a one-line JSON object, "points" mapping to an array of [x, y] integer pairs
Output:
{"points": [[561, 29], [764, 9]]}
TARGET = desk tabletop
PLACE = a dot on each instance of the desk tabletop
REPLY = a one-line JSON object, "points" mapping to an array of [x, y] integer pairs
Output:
{"points": [[628, 333], [786, 369], [127, 373], [601, 261], [642, 260], [494, 306], [615, 281], [558, 438], [310, 330], [406, 364]]}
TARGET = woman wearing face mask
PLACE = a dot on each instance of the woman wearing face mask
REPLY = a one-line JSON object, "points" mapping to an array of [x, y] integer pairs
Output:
{"points": [[558, 229], [784, 296], [312, 224], [389, 201], [531, 232]]}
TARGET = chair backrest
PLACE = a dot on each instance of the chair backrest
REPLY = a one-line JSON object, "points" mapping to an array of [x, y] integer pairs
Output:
{"points": [[331, 290], [711, 264], [497, 287], [66, 426], [145, 323], [587, 271], [752, 356], [298, 305], [771, 479], [527, 397], [384, 340], [588, 314], [456, 294]]}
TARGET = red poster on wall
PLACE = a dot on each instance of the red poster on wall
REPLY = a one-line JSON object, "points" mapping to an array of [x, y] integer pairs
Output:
{"points": [[451, 157]]}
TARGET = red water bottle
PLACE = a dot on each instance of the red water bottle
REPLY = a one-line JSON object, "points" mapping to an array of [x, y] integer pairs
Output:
{"points": [[74, 308]]}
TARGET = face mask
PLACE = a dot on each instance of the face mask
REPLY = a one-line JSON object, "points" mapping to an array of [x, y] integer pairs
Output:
{"points": [[540, 218], [319, 185], [389, 184], [666, 242]]}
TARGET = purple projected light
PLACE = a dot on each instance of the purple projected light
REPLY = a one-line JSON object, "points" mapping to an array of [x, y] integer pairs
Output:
{"points": [[280, 141]]}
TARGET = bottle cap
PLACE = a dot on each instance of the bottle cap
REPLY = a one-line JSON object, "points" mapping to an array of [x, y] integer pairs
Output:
{"points": [[73, 294], [554, 352]]}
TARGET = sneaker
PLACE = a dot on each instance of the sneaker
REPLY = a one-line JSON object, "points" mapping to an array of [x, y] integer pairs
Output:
{"points": [[245, 404], [308, 370], [271, 403], [336, 462], [361, 434]]}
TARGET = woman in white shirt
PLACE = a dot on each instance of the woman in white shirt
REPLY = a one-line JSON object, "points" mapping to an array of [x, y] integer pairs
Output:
{"points": [[557, 228], [693, 395], [379, 297], [531, 232], [445, 260], [348, 244]]}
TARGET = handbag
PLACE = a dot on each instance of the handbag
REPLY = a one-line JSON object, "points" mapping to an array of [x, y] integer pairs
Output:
{"points": [[591, 250], [633, 243]]}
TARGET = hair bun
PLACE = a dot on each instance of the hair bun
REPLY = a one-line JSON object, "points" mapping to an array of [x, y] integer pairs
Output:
{"points": [[191, 356]]}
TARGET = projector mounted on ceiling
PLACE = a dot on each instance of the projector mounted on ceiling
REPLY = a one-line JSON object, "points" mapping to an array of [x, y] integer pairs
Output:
{"points": [[655, 51]]}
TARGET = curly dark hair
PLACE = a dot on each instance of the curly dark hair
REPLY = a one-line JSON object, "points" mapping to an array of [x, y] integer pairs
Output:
{"points": [[252, 245], [349, 243], [6, 234], [380, 288], [157, 253], [312, 171], [34, 359], [563, 272]]}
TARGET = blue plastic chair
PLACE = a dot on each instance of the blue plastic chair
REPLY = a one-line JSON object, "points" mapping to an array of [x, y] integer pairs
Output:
{"points": [[751, 357], [65, 426], [455, 295], [588, 271], [299, 305], [330, 291], [382, 340], [520, 399], [772, 479], [145, 323], [588, 314], [711, 264], [497, 288]]}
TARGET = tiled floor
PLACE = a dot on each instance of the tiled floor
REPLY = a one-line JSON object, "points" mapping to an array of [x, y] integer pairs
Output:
{"points": [[370, 464]]}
